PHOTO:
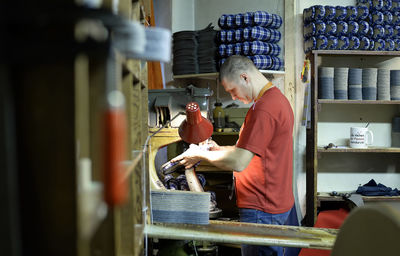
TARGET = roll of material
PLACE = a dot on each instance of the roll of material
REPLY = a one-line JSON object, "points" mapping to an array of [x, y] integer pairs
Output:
{"points": [[180, 206], [383, 84], [355, 84], [341, 83], [395, 84], [326, 82], [369, 83]]}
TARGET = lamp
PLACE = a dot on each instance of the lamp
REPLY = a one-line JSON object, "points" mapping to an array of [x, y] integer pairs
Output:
{"points": [[195, 128]]}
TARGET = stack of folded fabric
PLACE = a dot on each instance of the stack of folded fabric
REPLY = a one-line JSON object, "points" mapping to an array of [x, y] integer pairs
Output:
{"points": [[207, 50], [195, 51], [369, 25], [251, 34], [185, 53]]}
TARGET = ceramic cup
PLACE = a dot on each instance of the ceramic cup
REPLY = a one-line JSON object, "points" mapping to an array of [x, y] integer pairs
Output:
{"points": [[360, 137]]}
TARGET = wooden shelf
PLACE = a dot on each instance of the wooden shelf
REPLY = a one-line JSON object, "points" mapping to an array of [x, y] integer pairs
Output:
{"points": [[225, 133], [359, 150], [388, 102], [215, 75], [324, 196], [356, 52]]}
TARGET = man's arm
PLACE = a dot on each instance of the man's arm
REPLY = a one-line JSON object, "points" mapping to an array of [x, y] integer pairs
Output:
{"points": [[226, 157]]}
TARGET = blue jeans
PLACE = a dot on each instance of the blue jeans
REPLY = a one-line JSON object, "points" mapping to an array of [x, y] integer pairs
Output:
{"points": [[260, 217]]}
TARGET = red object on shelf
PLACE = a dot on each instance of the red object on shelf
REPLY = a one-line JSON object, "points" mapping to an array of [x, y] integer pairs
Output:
{"points": [[115, 186], [195, 128]]}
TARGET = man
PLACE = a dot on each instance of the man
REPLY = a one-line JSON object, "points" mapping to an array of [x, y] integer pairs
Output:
{"points": [[262, 157]]}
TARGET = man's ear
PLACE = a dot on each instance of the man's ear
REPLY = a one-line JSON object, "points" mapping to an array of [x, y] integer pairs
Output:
{"points": [[244, 76]]}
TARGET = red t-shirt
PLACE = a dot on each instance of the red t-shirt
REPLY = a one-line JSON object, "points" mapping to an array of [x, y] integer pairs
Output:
{"points": [[267, 131]]}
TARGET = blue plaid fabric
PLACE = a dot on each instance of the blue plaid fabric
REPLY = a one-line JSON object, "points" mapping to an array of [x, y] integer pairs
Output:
{"points": [[239, 20], [229, 50], [246, 33], [265, 34], [222, 21], [237, 49], [230, 21], [230, 35], [275, 36], [260, 33], [275, 49], [248, 19], [238, 34], [245, 48], [222, 36], [262, 18], [262, 61], [276, 21], [222, 50], [260, 48], [277, 63]]}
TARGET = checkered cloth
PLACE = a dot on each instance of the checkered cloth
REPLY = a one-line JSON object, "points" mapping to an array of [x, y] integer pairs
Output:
{"points": [[249, 48], [248, 19], [222, 35], [276, 21], [277, 63], [262, 61], [262, 18], [222, 50], [239, 20], [230, 35], [260, 48], [258, 18], [275, 49], [230, 21], [249, 34], [245, 48], [239, 34], [265, 34], [222, 21], [246, 33]]}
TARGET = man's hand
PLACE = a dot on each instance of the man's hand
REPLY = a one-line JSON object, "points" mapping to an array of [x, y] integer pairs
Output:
{"points": [[190, 157]]}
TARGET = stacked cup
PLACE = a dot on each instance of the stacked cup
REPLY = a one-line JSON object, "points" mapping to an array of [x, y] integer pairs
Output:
{"points": [[341, 83], [395, 84], [369, 83], [326, 83], [383, 84], [355, 84]]}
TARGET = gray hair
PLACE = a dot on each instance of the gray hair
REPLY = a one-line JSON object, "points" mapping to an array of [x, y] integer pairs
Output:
{"points": [[234, 66]]}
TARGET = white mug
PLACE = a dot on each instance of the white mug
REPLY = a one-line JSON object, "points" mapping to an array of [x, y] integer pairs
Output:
{"points": [[359, 137]]}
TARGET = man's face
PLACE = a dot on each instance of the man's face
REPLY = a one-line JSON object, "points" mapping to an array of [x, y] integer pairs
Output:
{"points": [[238, 90]]}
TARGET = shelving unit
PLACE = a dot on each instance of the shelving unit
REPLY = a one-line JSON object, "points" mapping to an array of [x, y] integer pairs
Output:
{"points": [[346, 112], [213, 76]]}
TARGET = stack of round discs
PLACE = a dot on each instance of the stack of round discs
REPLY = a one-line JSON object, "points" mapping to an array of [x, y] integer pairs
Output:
{"points": [[207, 50], [383, 84], [185, 53], [395, 84], [369, 83], [340, 83], [325, 83], [355, 84]]}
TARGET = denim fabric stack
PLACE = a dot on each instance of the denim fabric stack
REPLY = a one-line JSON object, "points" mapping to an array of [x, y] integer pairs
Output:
{"points": [[370, 25], [251, 34], [342, 83], [195, 51]]}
